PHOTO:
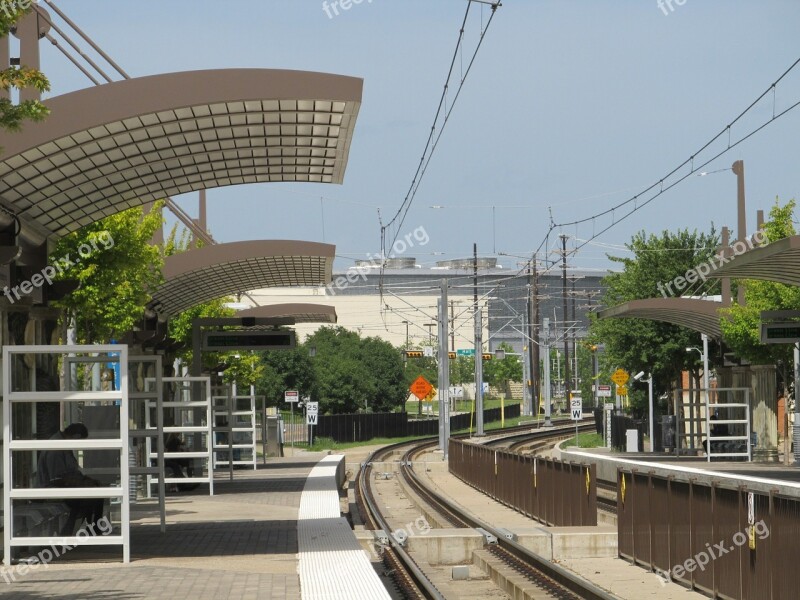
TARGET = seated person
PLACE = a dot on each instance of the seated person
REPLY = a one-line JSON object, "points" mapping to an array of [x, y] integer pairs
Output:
{"points": [[60, 469], [717, 430], [174, 443]]}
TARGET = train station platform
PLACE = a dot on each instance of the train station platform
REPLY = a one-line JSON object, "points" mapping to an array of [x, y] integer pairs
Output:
{"points": [[273, 533], [761, 477]]}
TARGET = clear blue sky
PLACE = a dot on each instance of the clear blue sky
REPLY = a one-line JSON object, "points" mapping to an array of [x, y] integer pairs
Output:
{"points": [[567, 103]]}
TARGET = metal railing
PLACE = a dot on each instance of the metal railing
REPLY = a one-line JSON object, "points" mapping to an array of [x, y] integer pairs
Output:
{"points": [[726, 542], [551, 491]]}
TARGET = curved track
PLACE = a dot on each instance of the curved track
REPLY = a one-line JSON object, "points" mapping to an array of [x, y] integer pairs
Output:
{"points": [[554, 580]]}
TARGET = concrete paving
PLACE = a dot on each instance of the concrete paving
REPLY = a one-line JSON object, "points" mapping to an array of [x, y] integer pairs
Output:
{"points": [[239, 544]]}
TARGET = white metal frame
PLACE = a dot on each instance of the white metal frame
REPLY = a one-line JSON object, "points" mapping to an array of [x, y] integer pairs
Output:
{"points": [[121, 444], [231, 413], [148, 433], [730, 406], [208, 453], [220, 405]]}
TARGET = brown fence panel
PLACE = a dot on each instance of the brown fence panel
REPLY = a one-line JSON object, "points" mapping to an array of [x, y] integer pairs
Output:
{"points": [[703, 536], [756, 563], [624, 516], [660, 523], [551, 491], [640, 492], [725, 558], [680, 525], [784, 530], [699, 534]]}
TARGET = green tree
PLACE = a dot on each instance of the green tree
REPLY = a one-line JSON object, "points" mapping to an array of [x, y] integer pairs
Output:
{"points": [[462, 370], [351, 373], [741, 323], [642, 344], [285, 370], [12, 116], [499, 373], [386, 388], [116, 268]]}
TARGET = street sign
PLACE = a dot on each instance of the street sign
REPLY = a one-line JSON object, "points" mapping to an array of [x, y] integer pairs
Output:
{"points": [[430, 396], [312, 413], [421, 387], [604, 391], [428, 351], [466, 352], [576, 408], [620, 377], [456, 391], [291, 396], [622, 390]]}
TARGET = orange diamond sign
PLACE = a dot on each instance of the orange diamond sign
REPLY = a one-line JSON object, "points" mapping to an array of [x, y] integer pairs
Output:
{"points": [[421, 387]]}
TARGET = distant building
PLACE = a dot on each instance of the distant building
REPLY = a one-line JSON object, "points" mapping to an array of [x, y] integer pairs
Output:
{"points": [[410, 294]]}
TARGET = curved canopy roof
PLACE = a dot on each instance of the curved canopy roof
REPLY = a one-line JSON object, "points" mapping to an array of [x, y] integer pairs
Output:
{"points": [[112, 147], [220, 270], [290, 314], [693, 313], [778, 261]]}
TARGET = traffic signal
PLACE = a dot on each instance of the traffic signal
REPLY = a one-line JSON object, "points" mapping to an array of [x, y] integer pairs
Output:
{"points": [[414, 353], [451, 355], [488, 356]]}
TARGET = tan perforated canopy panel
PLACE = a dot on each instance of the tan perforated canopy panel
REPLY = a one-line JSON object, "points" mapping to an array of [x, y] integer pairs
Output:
{"points": [[221, 270], [112, 147], [696, 314]]}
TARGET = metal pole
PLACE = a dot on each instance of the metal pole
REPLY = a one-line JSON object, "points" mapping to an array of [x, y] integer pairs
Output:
{"points": [[796, 425], [527, 402], [546, 350], [478, 372], [650, 397], [706, 374], [478, 347], [566, 324], [444, 373]]}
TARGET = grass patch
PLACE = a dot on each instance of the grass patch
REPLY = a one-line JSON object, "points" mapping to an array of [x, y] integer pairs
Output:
{"points": [[586, 440]]}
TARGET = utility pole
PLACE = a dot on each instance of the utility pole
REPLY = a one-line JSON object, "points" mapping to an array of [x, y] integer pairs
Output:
{"points": [[527, 387], [565, 320], [546, 349], [533, 334], [478, 347], [574, 326], [444, 374], [452, 326]]}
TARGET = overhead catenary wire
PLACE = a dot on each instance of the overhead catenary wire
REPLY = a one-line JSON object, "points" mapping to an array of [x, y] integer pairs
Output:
{"points": [[661, 186], [433, 139]]}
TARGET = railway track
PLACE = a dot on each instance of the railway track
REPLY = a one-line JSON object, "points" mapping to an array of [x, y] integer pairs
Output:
{"points": [[552, 580]]}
